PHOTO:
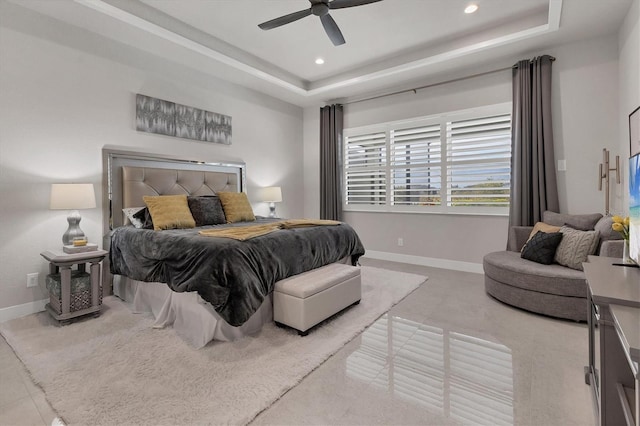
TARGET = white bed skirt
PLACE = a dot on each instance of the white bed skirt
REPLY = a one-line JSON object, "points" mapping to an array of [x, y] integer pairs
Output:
{"points": [[193, 319]]}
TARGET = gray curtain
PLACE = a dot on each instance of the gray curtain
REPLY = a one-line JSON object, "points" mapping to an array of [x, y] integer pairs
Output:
{"points": [[331, 127], [533, 173]]}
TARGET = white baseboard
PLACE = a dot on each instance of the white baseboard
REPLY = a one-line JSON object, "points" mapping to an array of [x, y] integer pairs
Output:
{"points": [[456, 265], [18, 311]]}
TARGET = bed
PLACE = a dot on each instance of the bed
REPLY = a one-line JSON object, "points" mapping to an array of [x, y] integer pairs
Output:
{"points": [[207, 288]]}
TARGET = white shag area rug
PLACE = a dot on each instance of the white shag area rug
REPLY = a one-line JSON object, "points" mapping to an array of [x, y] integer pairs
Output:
{"points": [[118, 370]]}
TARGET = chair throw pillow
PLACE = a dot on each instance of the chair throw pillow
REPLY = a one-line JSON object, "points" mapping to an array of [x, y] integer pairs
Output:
{"points": [[236, 207], [169, 211], [541, 227], [541, 248], [576, 246]]}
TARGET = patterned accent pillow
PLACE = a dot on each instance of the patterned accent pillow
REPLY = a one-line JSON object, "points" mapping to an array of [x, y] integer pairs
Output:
{"points": [[541, 248], [206, 210], [236, 207], [145, 217], [169, 211], [576, 246], [130, 213]]}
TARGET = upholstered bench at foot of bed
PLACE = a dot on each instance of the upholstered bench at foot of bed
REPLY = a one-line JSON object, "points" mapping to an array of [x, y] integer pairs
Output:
{"points": [[304, 300]]}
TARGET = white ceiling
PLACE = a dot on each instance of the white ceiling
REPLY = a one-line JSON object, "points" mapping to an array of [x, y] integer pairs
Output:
{"points": [[389, 45]]}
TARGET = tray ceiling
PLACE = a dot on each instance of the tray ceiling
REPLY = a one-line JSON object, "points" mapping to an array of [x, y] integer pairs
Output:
{"points": [[389, 44]]}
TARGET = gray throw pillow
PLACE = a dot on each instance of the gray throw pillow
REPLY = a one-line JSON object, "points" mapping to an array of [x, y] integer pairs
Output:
{"points": [[206, 210], [541, 248], [575, 247]]}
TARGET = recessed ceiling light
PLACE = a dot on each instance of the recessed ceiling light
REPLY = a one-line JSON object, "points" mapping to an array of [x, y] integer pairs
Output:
{"points": [[319, 61], [471, 8]]}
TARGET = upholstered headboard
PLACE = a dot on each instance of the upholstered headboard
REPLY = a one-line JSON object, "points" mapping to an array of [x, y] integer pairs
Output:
{"points": [[140, 181], [130, 176]]}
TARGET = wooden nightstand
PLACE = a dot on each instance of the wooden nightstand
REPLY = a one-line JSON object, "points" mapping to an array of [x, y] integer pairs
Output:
{"points": [[86, 302]]}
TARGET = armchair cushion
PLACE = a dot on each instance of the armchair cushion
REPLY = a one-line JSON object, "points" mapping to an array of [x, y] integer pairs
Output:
{"points": [[509, 268], [583, 222]]}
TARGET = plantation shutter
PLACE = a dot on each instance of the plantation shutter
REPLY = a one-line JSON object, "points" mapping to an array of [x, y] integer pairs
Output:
{"points": [[416, 164], [479, 161], [365, 169]]}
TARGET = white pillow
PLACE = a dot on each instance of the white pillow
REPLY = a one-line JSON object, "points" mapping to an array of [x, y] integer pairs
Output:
{"points": [[129, 212]]}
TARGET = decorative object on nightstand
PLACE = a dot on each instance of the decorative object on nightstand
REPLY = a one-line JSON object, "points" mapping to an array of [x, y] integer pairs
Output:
{"points": [[74, 293], [272, 195], [72, 196]]}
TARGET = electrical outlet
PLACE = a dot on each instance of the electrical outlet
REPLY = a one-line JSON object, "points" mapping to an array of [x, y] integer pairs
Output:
{"points": [[400, 242], [32, 279]]}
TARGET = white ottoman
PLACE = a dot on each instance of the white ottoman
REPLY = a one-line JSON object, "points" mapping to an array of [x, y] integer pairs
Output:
{"points": [[304, 300]]}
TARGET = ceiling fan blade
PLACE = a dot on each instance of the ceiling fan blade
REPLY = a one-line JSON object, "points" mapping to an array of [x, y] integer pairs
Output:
{"points": [[332, 30], [341, 4], [274, 23]]}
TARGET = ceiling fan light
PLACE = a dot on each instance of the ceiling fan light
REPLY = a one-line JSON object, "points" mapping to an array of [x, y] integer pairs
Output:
{"points": [[471, 8], [319, 61]]}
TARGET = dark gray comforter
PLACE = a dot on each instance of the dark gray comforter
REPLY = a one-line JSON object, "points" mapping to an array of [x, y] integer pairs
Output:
{"points": [[234, 276]]}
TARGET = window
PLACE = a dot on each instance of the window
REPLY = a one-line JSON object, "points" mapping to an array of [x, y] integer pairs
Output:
{"points": [[451, 163]]}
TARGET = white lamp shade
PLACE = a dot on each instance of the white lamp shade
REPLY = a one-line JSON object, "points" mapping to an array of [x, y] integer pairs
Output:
{"points": [[272, 194], [72, 196]]}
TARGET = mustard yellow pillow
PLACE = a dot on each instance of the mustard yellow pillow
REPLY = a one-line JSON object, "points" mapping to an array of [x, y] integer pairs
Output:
{"points": [[236, 207], [169, 211]]}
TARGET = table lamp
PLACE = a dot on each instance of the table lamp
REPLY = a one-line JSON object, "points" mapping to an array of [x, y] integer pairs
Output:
{"points": [[72, 196], [272, 195]]}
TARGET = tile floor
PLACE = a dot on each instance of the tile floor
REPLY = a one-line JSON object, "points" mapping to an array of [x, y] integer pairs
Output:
{"points": [[21, 401], [447, 354]]}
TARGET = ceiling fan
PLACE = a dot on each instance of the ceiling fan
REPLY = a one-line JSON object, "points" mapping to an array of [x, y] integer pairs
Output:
{"points": [[321, 9]]}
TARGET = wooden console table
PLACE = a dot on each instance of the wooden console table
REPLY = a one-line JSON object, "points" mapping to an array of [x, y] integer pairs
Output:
{"points": [[614, 340]]}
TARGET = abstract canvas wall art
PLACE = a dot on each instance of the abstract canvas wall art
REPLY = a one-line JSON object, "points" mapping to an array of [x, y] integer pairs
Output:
{"points": [[218, 128], [189, 122], [168, 118], [155, 115]]}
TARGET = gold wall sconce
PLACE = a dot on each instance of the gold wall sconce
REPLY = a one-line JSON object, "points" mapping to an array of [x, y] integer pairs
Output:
{"points": [[604, 173]]}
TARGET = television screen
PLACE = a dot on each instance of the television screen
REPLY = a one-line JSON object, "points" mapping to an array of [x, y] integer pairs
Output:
{"points": [[634, 208]]}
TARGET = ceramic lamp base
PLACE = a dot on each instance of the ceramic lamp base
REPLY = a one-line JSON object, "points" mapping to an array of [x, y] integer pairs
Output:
{"points": [[74, 230]]}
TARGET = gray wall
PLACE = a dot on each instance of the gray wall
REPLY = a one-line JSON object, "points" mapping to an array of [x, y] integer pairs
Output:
{"points": [[629, 91], [67, 93], [585, 112]]}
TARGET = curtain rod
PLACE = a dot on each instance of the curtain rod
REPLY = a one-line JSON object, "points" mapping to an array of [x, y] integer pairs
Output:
{"points": [[415, 89], [551, 58], [454, 80]]}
